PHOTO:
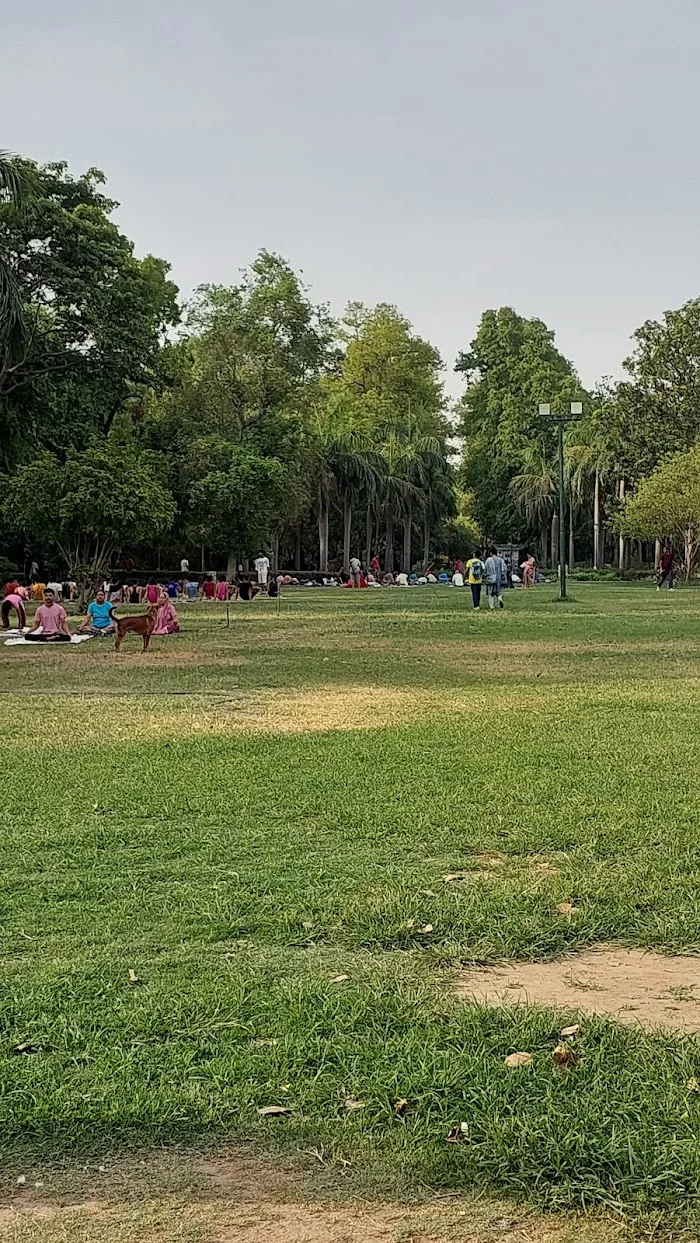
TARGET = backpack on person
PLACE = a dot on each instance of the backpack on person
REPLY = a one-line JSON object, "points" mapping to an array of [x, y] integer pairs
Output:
{"points": [[475, 570]]}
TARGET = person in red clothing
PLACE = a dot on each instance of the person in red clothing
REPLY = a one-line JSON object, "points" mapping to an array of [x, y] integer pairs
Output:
{"points": [[209, 589], [666, 569], [374, 565]]}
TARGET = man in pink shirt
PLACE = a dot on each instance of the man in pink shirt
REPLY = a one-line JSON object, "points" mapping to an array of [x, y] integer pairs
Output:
{"points": [[53, 619]]}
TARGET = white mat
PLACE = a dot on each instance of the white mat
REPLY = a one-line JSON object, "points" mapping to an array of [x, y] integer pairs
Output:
{"points": [[75, 638]]}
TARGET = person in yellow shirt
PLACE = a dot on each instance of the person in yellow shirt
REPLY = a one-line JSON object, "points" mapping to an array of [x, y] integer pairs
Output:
{"points": [[475, 568], [38, 590]]}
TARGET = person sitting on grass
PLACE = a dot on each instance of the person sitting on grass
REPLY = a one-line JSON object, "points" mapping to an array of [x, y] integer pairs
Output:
{"points": [[245, 590], [53, 620], [100, 619], [167, 620], [222, 588]]}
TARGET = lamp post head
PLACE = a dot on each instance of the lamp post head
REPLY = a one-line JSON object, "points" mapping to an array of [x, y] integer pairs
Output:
{"points": [[577, 407], [545, 409]]}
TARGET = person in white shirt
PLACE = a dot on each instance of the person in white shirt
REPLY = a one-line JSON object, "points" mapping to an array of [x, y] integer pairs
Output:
{"points": [[355, 571], [57, 589], [262, 565], [184, 566]]}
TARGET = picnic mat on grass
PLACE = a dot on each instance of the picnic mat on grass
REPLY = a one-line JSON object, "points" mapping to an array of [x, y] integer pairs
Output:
{"points": [[20, 638]]}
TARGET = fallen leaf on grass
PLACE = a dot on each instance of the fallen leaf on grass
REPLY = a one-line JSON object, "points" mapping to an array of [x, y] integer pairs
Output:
{"points": [[566, 908], [263, 1043], [517, 1059], [21, 1180], [427, 928], [339, 979], [274, 1111], [133, 978], [457, 1133], [569, 1032], [452, 877], [565, 1057], [351, 1103], [692, 1085], [25, 1048], [400, 1107], [429, 893]]}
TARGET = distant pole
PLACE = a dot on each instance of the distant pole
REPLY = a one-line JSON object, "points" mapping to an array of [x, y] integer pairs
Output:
{"points": [[575, 412], [562, 516]]}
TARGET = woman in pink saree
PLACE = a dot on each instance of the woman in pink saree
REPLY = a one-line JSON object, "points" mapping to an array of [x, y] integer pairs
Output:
{"points": [[528, 569], [167, 621]]}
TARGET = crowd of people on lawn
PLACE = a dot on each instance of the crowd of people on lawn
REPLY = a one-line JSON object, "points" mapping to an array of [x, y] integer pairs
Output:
{"points": [[486, 570]]}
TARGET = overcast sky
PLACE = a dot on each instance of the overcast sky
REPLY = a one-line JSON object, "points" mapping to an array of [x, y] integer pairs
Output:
{"points": [[445, 155]]}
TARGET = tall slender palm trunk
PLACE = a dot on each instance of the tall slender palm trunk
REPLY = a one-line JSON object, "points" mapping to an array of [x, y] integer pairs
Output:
{"points": [[389, 550], [555, 540], [369, 527], [297, 547], [622, 545], [407, 523], [426, 543], [571, 536], [347, 532], [596, 523], [322, 531]]}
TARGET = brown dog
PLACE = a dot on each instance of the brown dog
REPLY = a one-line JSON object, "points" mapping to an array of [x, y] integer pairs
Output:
{"points": [[142, 624]]}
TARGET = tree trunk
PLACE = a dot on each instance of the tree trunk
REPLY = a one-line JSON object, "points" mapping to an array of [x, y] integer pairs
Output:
{"points": [[426, 545], [231, 565], [407, 523], [571, 537], [389, 550], [322, 532], [297, 547], [203, 560], [347, 532], [276, 552], [622, 542], [657, 553], [596, 523], [369, 525], [555, 541], [544, 537]]}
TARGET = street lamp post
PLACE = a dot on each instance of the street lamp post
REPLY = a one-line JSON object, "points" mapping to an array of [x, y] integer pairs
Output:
{"points": [[575, 412]]}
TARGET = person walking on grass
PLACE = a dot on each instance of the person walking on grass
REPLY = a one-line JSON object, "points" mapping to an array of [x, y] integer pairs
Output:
{"points": [[356, 571], [496, 578], [666, 569], [53, 620], [475, 567]]}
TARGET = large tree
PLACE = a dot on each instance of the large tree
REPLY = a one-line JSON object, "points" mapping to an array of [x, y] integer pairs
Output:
{"points": [[512, 365], [89, 505], [93, 314], [666, 505]]}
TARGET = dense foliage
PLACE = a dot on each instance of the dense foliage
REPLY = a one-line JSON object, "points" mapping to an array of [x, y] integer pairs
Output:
{"points": [[249, 419]]}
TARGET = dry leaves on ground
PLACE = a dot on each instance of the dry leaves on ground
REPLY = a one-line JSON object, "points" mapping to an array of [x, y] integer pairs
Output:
{"points": [[565, 1057], [568, 1033], [274, 1111], [517, 1059]]}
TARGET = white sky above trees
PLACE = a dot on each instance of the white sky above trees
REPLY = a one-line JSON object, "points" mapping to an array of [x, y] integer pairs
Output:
{"points": [[445, 155]]}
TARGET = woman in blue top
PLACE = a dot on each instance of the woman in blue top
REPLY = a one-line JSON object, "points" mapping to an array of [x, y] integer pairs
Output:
{"points": [[99, 618]]}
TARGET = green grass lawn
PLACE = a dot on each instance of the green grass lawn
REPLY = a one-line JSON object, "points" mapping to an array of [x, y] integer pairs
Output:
{"points": [[251, 810]]}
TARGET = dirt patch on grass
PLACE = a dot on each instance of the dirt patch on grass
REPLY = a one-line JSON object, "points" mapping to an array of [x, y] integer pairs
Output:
{"points": [[629, 985], [241, 1198]]}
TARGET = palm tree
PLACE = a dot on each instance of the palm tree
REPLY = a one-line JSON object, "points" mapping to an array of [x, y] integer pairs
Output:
{"points": [[534, 490], [15, 188], [356, 468], [408, 459], [590, 457]]}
